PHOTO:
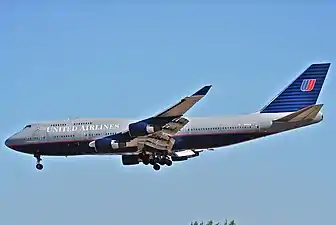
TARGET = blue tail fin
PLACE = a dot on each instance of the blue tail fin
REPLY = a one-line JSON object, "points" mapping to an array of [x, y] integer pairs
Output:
{"points": [[302, 92]]}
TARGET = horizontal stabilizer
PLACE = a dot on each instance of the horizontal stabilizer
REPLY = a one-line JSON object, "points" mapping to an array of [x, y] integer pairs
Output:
{"points": [[307, 113]]}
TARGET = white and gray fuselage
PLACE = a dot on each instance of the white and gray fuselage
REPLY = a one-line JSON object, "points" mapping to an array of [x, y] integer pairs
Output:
{"points": [[72, 137]]}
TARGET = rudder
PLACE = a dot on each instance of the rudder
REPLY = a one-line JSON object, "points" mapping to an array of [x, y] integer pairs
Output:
{"points": [[302, 92]]}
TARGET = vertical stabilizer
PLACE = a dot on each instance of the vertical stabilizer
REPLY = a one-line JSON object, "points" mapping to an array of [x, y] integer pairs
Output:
{"points": [[302, 92]]}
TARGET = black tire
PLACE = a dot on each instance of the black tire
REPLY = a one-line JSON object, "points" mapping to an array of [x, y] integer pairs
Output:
{"points": [[152, 162], [162, 162], [156, 167], [145, 161], [39, 166], [168, 162]]}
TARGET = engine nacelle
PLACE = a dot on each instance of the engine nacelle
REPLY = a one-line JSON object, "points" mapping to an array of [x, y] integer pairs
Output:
{"points": [[106, 143], [142, 129], [130, 159]]}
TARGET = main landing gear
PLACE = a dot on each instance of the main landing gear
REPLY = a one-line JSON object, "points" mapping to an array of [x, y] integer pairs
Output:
{"points": [[39, 165], [156, 160]]}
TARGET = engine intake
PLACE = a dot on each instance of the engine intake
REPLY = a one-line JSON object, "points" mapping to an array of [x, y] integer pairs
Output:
{"points": [[142, 129]]}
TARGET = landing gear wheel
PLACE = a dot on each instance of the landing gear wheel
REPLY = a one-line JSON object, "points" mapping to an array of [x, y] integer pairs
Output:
{"points": [[169, 162], [39, 166], [152, 162], [156, 166], [162, 161], [145, 159]]}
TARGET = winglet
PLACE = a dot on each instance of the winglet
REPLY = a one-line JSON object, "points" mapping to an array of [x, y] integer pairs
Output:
{"points": [[203, 91]]}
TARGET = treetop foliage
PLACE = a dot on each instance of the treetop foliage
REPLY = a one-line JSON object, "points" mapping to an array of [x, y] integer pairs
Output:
{"points": [[211, 222]]}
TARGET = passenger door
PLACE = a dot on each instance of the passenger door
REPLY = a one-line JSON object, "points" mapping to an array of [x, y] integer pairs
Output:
{"points": [[73, 133], [39, 133], [257, 127]]}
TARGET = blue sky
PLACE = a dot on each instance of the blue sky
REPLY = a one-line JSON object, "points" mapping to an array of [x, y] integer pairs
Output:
{"points": [[112, 60]]}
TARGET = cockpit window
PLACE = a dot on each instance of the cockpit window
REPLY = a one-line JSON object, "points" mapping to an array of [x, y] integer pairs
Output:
{"points": [[27, 126]]}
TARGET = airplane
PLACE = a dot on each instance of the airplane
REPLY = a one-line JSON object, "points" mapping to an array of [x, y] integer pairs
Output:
{"points": [[171, 136]]}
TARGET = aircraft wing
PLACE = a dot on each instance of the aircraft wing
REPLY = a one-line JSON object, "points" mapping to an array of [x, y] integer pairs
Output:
{"points": [[184, 105], [154, 130], [163, 119]]}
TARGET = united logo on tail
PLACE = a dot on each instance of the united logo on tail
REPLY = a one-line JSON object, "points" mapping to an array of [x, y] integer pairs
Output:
{"points": [[308, 84]]}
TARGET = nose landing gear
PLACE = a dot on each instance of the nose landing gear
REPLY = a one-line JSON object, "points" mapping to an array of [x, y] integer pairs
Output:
{"points": [[39, 165]]}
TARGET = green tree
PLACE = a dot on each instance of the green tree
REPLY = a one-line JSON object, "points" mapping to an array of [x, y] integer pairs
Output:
{"points": [[211, 222]]}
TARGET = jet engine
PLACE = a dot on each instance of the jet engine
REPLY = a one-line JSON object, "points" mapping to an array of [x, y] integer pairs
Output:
{"points": [[106, 143], [142, 129], [130, 159]]}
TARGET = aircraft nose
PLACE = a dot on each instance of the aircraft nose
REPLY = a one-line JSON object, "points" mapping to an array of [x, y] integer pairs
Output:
{"points": [[8, 142]]}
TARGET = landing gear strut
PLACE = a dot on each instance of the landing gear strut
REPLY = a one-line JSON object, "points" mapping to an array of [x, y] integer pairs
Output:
{"points": [[145, 158], [39, 165]]}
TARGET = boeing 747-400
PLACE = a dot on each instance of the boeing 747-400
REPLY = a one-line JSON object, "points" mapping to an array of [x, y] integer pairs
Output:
{"points": [[170, 135]]}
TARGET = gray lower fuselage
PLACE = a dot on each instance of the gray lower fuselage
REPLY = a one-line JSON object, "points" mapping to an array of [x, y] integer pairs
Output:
{"points": [[72, 137]]}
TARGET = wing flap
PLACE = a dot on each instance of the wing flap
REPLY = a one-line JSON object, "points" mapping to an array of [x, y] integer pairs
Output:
{"points": [[162, 140], [175, 126]]}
